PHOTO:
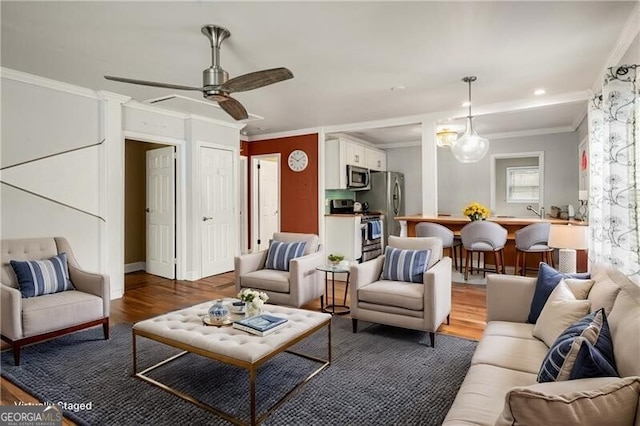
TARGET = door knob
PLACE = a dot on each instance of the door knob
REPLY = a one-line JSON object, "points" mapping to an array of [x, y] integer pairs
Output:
{"points": [[206, 218]]}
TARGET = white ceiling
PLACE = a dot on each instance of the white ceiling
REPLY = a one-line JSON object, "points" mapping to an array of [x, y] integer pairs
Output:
{"points": [[345, 56]]}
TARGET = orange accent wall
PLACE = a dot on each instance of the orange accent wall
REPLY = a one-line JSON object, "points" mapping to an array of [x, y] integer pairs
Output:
{"points": [[298, 190]]}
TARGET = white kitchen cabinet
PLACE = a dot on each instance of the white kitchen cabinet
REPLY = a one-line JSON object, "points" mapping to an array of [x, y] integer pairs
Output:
{"points": [[376, 160], [355, 154], [343, 236], [341, 152]]}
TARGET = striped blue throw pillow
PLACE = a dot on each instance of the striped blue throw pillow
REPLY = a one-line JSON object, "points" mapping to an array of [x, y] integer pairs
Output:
{"points": [[584, 349], [405, 265], [281, 253], [38, 277]]}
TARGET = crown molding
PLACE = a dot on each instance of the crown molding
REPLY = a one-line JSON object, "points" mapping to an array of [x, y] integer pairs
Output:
{"points": [[629, 32], [48, 83], [531, 132], [285, 134], [399, 145]]}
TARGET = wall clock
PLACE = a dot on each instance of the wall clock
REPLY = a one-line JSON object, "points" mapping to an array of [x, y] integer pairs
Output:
{"points": [[298, 160]]}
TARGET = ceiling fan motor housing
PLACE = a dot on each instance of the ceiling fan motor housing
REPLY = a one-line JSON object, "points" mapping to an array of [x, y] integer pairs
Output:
{"points": [[214, 76]]}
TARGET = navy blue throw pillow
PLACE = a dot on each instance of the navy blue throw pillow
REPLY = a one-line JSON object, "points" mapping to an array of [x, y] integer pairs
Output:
{"points": [[590, 362], [405, 265], [548, 279]]}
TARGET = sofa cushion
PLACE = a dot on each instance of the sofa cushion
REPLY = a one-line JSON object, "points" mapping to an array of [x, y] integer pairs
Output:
{"points": [[548, 279], [59, 310], [607, 285], [507, 352], [579, 288], [481, 396], [561, 310], [280, 254], [509, 329], [267, 279], [38, 277], [405, 265], [393, 293], [624, 322], [587, 402]]}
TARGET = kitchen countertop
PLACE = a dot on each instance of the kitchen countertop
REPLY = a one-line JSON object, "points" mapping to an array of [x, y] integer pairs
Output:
{"points": [[497, 219]]}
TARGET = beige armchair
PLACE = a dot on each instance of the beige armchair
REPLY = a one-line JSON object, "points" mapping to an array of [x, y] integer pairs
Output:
{"points": [[295, 287], [417, 306], [30, 320]]}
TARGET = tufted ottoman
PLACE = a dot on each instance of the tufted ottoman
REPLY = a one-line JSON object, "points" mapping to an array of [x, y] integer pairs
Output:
{"points": [[184, 329]]}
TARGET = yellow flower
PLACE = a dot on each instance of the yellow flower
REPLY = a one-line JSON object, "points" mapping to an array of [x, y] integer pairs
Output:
{"points": [[476, 208]]}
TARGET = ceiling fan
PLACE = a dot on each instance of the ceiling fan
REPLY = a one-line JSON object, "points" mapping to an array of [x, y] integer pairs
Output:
{"points": [[216, 85]]}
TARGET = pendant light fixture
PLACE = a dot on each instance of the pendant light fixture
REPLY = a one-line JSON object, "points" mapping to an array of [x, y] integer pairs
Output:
{"points": [[470, 148], [446, 138]]}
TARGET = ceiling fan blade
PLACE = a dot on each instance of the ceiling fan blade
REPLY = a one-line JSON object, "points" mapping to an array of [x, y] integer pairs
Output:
{"points": [[234, 109], [256, 79], [152, 83]]}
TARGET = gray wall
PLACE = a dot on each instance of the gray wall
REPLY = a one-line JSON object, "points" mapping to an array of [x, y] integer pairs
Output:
{"points": [[460, 184], [408, 160], [503, 208], [632, 56]]}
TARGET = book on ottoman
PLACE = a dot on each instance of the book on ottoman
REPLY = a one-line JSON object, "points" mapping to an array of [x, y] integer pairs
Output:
{"points": [[260, 325]]}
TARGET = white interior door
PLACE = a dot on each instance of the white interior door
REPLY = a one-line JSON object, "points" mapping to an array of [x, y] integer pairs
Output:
{"points": [[266, 197], [161, 212], [218, 200]]}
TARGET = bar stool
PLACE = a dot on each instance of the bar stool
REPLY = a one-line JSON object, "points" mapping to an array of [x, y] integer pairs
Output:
{"points": [[482, 236], [533, 239], [454, 245]]}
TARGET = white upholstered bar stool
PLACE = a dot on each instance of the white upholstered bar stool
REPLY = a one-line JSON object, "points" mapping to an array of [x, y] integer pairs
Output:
{"points": [[453, 245], [482, 236], [533, 239]]}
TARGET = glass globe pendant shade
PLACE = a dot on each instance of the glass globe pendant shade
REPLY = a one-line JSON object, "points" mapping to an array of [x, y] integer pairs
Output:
{"points": [[445, 138], [470, 148]]}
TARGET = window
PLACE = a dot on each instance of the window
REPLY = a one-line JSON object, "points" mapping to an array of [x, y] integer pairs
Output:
{"points": [[523, 184]]}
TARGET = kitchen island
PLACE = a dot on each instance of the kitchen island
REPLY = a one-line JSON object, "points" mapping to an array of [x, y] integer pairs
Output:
{"points": [[512, 224]]}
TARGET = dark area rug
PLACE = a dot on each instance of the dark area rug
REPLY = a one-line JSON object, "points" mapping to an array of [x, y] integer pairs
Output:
{"points": [[381, 375]]}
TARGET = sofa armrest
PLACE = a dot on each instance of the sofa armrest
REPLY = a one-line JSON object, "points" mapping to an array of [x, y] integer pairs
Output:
{"points": [[10, 312], [92, 283], [249, 262], [303, 276], [437, 293], [509, 297]]}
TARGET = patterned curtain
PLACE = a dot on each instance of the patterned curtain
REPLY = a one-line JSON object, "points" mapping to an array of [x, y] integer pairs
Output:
{"points": [[614, 172]]}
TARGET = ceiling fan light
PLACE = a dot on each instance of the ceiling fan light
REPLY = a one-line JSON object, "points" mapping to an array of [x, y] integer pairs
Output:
{"points": [[445, 138], [470, 147]]}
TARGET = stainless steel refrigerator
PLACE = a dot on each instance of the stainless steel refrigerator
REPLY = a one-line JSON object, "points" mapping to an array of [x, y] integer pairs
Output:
{"points": [[386, 196]]}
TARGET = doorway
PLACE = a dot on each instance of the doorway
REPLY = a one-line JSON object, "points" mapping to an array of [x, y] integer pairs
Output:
{"points": [[265, 199], [139, 242]]}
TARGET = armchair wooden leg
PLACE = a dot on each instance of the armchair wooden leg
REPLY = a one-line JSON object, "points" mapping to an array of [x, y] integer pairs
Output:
{"points": [[432, 337], [105, 329], [16, 353], [449, 319], [354, 325]]}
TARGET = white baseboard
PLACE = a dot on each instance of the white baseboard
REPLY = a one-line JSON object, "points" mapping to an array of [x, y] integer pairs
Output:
{"points": [[136, 266]]}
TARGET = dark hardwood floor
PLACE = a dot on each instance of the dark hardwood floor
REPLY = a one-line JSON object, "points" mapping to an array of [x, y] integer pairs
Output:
{"points": [[148, 295]]}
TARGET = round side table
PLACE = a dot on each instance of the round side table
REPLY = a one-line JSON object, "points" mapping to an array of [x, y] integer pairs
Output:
{"points": [[333, 270]]}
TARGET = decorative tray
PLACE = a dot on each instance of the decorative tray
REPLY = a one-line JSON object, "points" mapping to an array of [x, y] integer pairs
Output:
{"points": [[207, 320]]}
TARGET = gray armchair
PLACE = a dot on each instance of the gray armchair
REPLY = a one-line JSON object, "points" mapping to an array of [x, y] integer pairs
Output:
{"points": [[417, 306], [296, 287], [30, 320]]}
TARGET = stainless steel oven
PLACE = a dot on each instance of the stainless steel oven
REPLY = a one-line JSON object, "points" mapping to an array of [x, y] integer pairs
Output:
{"points": [[358, 178], [371, 227]]}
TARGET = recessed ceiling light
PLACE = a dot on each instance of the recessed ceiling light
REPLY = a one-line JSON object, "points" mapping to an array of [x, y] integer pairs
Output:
{"points": [[398, 88], [466, 103], [539, 92]]}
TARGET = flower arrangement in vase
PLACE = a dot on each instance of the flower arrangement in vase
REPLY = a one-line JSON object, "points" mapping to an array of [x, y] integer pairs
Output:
{"points": [[254, 300], [476, 211]]}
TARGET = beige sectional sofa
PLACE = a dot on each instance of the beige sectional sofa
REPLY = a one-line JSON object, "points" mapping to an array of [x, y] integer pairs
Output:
{"points": [[500, 386]]}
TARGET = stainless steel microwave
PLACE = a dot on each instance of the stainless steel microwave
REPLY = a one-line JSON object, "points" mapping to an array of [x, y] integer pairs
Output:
{"points": [[358, 178]]}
